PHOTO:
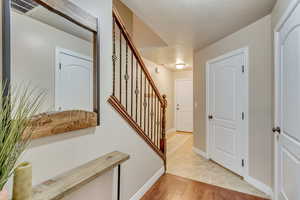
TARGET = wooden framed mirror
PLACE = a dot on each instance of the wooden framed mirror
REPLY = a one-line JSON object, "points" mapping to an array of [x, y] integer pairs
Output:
{"points": [[53, 44]]}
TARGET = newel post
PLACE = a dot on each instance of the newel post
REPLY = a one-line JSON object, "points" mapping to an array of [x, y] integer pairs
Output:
{"points": [[164, 139]]}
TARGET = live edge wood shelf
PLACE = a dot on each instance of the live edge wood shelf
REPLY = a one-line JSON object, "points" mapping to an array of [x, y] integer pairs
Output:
{"points": [[59, 187], [47, 124]]}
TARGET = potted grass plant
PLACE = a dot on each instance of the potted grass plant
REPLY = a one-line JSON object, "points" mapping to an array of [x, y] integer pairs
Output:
{"points": [[16, 108]]}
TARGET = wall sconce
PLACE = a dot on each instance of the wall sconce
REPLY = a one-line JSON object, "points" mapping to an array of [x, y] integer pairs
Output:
{"points": [[157, 70]]}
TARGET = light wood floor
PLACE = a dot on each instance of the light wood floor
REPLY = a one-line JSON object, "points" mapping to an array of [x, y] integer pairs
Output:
{"points": [[171, 187]]}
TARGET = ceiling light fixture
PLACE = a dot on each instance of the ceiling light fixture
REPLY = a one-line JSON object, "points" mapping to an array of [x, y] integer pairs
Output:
{"points": [[180, 66]]}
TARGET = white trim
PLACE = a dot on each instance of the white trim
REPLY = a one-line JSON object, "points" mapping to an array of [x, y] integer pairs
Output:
{"points": [[286, 14], [175, 98], [245, 153], [201, 153], [170, 130], [292, 6], [140, 193], [259, 185]]}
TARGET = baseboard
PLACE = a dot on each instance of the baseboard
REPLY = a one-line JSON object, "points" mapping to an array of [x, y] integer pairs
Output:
{"points": [[259, 185], [200, 152], [171, 130], [148, 184]]}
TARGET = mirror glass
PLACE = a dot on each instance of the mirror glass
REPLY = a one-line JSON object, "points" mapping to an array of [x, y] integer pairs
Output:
{"points": [[53, 54]]}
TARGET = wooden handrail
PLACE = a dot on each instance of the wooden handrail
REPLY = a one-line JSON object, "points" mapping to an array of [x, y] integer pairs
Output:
{"points": [[136, 52]]}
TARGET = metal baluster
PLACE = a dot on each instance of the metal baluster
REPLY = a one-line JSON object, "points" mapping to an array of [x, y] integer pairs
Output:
{"points": [[145, 103], [160, 127], [136, 91], [114, 55], [159, 123], [155, 119], [120, 67], [131, 101], [151, 114], [149, 105], [126, 78], [141, 99]]}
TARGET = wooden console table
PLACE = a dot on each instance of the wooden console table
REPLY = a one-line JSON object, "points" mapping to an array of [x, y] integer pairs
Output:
{"points": [[62, 185]]}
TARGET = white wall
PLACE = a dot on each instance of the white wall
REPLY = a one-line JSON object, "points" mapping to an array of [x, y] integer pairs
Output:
{"points": [[257, 37], [54, 155], [33, 54]]}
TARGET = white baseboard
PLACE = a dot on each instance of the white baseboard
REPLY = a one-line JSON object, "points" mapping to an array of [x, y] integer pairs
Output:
{"points": [[148, 184], [171, 130], [200, 152], [259, 185]]}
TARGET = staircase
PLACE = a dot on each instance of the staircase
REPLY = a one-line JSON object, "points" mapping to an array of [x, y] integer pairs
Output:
{"points": [[135, 95]]}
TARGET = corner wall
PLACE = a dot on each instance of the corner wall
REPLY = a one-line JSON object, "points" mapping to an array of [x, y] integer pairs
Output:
{"points": [[52, 156], [257, 37]]}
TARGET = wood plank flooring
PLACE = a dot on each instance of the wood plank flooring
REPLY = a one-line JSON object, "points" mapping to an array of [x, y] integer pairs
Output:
{"points": [[171, 187]]}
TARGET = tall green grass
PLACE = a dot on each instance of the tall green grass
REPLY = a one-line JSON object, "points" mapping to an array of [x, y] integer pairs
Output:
{"points": [[16, 109]]}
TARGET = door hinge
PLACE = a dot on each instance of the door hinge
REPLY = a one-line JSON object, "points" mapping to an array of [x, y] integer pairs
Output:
{"points": [[243, 68], [59, 67], [243, 163], [243, 116]]}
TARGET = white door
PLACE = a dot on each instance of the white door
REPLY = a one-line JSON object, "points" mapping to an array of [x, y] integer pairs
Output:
{"points": [[288, 109], [227, 111], [74, 82], [184, 105]]}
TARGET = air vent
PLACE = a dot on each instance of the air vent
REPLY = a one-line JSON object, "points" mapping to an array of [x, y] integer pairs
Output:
{"points": [[23, 6]]}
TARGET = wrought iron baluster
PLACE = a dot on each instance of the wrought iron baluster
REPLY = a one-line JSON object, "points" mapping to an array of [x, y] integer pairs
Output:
{"points": [[145, 104], [131, 101], [149, 106], [114, 56], [120, 98], [141, 100], [155, 119], [136, 91], [126, 78], [151, 115]]}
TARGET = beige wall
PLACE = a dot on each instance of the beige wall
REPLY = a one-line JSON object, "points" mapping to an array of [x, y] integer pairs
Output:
{"points": [[38, 66], [183, 75], [126, 15], [101, 187], [165, 82], [69, 150], [257, 37]]}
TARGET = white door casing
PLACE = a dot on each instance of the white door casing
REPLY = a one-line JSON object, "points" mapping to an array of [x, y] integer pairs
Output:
{"points": [[184, 105], [73, 81], [227, 110], [287, 105]]}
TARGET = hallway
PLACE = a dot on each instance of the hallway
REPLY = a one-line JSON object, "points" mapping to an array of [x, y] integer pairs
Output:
{"points": [[183, 161]]}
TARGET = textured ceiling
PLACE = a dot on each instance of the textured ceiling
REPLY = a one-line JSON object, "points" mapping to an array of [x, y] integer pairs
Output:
{"points": [[188, 25]]}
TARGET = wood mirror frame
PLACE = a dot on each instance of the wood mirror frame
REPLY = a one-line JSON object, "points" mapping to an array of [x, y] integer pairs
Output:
{"points": [[47, 124]]}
